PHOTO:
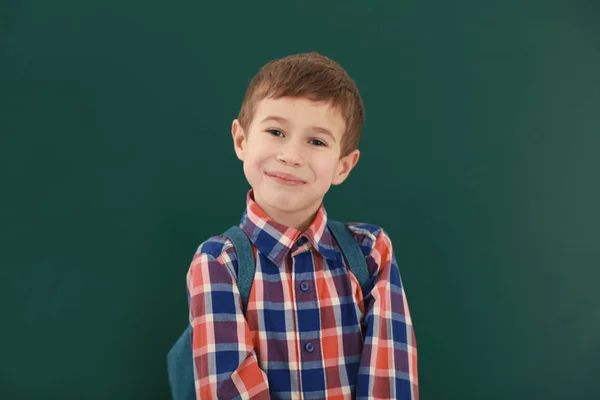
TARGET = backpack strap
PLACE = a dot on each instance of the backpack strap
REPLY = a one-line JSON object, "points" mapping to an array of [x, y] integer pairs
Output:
{"points": [[351, 251], [246, 262]]}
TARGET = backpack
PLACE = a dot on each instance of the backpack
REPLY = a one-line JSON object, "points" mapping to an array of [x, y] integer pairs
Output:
{"points": [[180, 357]]}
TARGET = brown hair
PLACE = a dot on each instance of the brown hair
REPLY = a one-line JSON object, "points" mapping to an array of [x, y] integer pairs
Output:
{"points": [[313, 76]]}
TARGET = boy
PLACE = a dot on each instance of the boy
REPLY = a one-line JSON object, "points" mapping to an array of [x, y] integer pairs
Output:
{"points": [[309, 331]]}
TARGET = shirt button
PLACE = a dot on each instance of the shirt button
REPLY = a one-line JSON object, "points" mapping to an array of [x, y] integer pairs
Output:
{"points": [[304, 286], [309, 347]]}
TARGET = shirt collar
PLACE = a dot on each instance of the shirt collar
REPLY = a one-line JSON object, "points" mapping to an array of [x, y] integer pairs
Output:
{"points": [[275, 240]]}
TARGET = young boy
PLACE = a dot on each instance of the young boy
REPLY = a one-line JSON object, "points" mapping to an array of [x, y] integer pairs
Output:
{"points": [[309, 331]]}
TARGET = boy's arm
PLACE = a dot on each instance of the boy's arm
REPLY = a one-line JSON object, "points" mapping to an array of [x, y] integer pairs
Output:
{"points": [[388, 366], [225, 363]]}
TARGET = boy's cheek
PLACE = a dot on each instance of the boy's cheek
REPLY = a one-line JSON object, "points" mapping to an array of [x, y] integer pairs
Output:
{"points": [[252, 168]]}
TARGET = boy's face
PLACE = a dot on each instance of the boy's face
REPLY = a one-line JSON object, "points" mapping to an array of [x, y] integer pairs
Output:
{"points": [[291, 154]]}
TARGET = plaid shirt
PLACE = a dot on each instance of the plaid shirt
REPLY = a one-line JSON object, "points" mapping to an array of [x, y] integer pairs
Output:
{"points": [[308, 333]]}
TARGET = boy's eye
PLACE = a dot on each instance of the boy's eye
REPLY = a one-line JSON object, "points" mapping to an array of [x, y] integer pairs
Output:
{"points": [[275, 132], [317, 142]]}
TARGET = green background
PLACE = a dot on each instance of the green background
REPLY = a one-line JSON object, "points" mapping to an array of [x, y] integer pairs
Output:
{"points": [[480, 157]]}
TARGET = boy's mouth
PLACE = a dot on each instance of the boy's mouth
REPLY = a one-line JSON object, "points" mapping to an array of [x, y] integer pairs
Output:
{"points": [[284, 179]]}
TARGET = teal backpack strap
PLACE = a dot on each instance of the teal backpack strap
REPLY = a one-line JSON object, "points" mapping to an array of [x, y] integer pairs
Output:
{"points": [[246, 262], [351, 251]]}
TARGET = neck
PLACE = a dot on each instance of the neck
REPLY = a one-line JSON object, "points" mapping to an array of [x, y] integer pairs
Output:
{"points": [[299, 220]]}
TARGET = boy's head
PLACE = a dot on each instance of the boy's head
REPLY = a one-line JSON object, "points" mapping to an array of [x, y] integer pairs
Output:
{"points": [[297, 133]]}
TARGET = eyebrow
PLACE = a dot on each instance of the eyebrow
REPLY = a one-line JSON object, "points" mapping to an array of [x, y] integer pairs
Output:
{"points": [[282, 120]]}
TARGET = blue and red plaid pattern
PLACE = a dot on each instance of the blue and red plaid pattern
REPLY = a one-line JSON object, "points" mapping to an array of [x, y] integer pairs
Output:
{"points": [[308, 332]]}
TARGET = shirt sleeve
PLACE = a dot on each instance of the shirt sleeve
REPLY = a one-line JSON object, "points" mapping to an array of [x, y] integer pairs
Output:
{"points": [[225, 362], [388, 365]]}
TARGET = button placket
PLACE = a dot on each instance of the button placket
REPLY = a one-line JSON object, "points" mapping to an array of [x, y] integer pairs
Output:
{"points": [[306, 296]]}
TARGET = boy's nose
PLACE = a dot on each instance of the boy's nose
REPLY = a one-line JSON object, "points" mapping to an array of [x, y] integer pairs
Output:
{"points": [[289, 160], [290, 156]]}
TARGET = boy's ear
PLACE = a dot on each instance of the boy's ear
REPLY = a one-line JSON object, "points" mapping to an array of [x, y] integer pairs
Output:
{"points": [[345, 166], [239, 139]]}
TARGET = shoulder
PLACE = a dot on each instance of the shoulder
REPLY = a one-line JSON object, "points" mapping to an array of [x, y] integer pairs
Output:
{"points": [[215, 247], [375, 245], [368, 236], [216, 251]]}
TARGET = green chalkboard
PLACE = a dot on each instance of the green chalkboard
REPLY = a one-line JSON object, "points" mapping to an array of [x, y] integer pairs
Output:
{"points": [[480, 158]]}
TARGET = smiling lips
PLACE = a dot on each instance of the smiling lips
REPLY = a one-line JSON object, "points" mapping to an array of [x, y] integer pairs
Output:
{"points": [[285, 179]]}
